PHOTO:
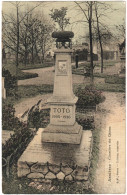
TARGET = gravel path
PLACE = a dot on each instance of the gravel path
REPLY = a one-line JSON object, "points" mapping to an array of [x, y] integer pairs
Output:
{"points": [[46, 76], [110, 174]]}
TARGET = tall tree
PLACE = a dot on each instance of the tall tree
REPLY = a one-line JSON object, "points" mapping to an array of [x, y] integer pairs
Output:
{"points": [[87, 10], [102, 31], [12, 23], [99, 36], [121, 31], [59, 16]]}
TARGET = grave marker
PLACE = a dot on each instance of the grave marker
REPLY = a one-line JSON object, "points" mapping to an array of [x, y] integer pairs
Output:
{"points": [[63, 128], [44, 159], [3, 88]]}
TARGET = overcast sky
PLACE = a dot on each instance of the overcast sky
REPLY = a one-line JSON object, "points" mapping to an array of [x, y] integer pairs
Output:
{"points": [[80, 29]]}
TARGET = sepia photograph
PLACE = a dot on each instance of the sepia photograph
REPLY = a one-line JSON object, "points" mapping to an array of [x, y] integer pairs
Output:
{"points": [[63, 97]]}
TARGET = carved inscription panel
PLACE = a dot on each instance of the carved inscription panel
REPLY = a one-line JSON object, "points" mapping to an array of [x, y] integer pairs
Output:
{"points": [[62, 67], [62, 115]]}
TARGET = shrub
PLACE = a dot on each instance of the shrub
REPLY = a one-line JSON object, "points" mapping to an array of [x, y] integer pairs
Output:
{"points": [[26, 75], [10, 83], [22, 134], [9, 121], [88, 97], [38, 118], [87, 123], [17, 142], [34, 117]]}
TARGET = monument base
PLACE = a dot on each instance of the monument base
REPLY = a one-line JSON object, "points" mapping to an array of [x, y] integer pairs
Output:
{"points": [[62, 134], [56, 161]]}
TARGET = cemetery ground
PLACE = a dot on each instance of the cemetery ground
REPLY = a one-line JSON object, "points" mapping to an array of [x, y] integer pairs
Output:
{"points": [[30, 91]]}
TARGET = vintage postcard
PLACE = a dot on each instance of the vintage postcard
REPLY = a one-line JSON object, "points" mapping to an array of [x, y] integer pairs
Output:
{"points": [[63, 97]]}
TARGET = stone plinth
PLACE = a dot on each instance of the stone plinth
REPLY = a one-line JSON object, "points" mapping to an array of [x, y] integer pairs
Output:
{"points": [[56, 160], [62, 127], [63, 134]]}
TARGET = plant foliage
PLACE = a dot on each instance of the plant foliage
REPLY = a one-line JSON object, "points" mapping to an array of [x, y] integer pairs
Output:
{"points": [[9, 121], [88, 97], [59, 16]]}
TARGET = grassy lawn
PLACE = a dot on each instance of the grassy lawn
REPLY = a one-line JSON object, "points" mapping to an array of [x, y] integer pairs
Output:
{"points": [[107, 63], [98, 63], [80, 69], [100, 75], [105, 87], [27, 91], [35, 66], [111, 87], [115, 79]]}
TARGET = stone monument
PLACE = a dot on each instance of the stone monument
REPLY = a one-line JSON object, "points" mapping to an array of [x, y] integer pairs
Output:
{"points": [[62, 127], [62, 150]]}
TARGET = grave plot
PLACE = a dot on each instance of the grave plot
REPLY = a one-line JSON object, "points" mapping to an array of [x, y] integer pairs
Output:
{"points": [[62, 150]]}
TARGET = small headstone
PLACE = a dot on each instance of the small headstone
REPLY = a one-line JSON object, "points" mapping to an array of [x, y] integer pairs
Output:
{"points": [[3, 88]]}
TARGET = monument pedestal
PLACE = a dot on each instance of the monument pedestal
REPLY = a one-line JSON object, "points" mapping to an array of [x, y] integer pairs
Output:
{"points": [[63, 134], [63, 127], [56, 160]]}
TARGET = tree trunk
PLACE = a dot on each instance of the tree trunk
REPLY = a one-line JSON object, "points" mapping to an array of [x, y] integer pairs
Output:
{"points": [[101, 57], [17, 48], [91, 44], [99, 36], [26, 54], [32, 48], [32, 54]]}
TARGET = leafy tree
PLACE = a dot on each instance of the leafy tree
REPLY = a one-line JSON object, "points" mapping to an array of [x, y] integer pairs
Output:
{"points": [[59, 16]]}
